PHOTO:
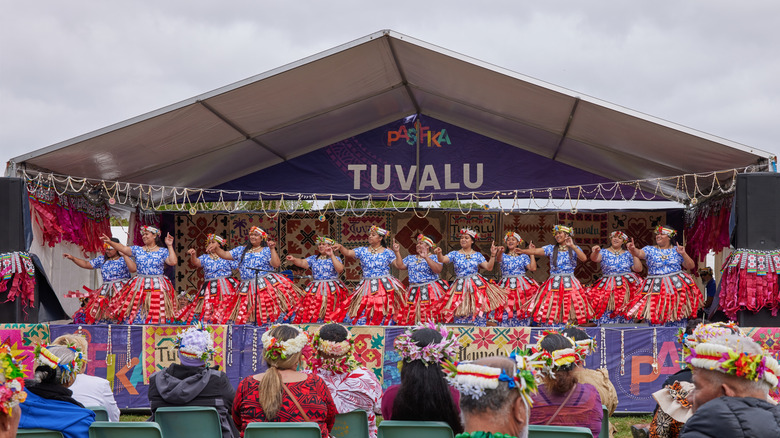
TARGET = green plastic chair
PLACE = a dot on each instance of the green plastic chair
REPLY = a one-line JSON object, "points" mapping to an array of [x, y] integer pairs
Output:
{"points": [[39, 433], [188, 421], [351, 425], [539, 431], [141, 429], [101, 413], [604, 432], [282, 430], [414, 429]]}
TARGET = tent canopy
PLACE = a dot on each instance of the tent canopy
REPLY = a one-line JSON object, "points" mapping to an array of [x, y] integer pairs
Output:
{"points": [[272, 118]]}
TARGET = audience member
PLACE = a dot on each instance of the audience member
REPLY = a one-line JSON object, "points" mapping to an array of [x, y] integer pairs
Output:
{"points": [[89, 390], [193, 383], [352, 387], [283, 394], [11, 392], [49, 403], [423, 348]]}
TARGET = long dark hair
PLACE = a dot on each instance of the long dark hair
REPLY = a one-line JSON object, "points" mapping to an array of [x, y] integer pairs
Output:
{"points": [[554, 258], [424, 394]]}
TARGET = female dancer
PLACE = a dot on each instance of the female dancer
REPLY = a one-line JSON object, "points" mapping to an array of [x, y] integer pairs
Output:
{"points": [[115, 269], [217, 295], [326, 291], [521, 288], [470, 297], [264, 296], [148, 298], [379, 294], [561, 298], [667, 294], [617, 284], [425, 286]]}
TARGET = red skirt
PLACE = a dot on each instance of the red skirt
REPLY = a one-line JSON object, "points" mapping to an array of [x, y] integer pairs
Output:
{"points": [[322, 299], [99, 301], [270, 299], [612, 292], [520, 290], [151, 297], [471, 296], [559, 300], [213, 302], [375, 299], [422, 303], [665, 298]]}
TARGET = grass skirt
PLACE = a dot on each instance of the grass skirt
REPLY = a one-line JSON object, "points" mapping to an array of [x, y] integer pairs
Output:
{"points": [[422, 303], [665, 298], [560, 299], [520, 290], [213, 302], [376, 299], [268, 301], [611, 292], [472, 297], [150, 297], [322, 299], [99, 301]]}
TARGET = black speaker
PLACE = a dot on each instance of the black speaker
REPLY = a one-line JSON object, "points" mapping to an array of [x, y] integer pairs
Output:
{"points": [[762, 318], [12, 193], [757, 211]]}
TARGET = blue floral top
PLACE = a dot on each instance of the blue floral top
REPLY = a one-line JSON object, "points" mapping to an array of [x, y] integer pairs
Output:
{"points": [[374, 265], [662, 261], [216, 268], [149, 263], [111, 270], [419, 271], [514, 264], [565, 265], [322, 269], [258, 260], [612, 264], [465, 266]]}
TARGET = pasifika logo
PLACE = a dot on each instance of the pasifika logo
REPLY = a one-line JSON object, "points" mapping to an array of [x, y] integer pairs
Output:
{"points": [[426, 136]]}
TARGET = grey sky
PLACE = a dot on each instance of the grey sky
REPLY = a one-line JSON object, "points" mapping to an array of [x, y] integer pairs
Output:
{"points": [[67, 68]]}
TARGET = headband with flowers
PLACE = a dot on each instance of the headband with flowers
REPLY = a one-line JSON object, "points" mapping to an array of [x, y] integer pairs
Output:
{"points": [[422, 238], [474, 235], [623, 236], [150, 229], [107, 246], [722, 358], [43, 356], [325, 240], [574, 355], [342, 358], [564, 228], [11, 380], [513, 234], [215, 238], [431, 353], [196, 343], [704, 332], [275, 349], [665, 230], [381, 231], [259, 231]]}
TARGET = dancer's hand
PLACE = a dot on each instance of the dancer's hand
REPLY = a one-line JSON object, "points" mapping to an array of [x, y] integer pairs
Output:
{"points": [[289, 258], [191, 252], [630, 246], [169, 240], [595, 249], [493, 248], [680, 249], [68, 256], [396, 246], [437, 251], [569, 242], [271, 244]]}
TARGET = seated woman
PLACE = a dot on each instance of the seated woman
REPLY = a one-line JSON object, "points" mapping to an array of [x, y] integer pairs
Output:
{"points": [[283, 394], [353, 387], [89, 390], [561, 401], [49, 403], [11, 392], [424, 394], [193, 383]]}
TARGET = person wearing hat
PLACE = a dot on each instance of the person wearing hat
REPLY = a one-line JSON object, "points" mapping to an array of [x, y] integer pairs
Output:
{"points": [[514, 265], [426, 289], [217, 294], [11, 391], [617, 284], [326, 290], [192, 382]]}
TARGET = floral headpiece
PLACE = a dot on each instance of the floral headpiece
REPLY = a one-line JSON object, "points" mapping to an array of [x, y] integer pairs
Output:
{"points": [[623, 236], [574, 355], [474, 235], [513, 234], [259, 231], [43, 356], [564, 228], [150, 229], [215, 238], [107, 246], [343, 360], [422, 238], [381, 231], [326, 240], [665, 230], [275, 349], [11, 380], [196, 343], [705, 332], [722, 358], [431, 353], [588, 345]]}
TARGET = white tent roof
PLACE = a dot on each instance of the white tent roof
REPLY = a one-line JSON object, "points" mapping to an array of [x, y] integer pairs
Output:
{"points": [[284, 113]]}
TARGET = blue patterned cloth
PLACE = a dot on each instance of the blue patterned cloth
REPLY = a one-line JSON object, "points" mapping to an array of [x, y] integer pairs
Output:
{"points": [[662, 261], [111, 270], [566, 264], [257, 260], [465, 266], [374, 265], [322, 269], [612, 264], [149, 263], [216, 268], [514, 264], [419, 271]]}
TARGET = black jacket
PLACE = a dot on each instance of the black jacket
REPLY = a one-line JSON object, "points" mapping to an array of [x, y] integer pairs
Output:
{"points": [[734, 417], [181, 385]]}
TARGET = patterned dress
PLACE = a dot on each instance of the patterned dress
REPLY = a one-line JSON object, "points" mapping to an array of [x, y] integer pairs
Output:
{"points": [[425, 291], [148, 298], [615, 287], [561, 298], [312, 394], [216, 296], [263, 296], [520, 288], [357, 389], [667, 294], [470, 297], [323, 294], [115, 276]]}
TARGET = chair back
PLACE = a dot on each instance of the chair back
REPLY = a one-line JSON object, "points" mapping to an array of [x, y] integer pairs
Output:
{"points": [[101, 413], [188, 421], [604, 432], [351, 425], [140, 429], [39, 433], [539, 431], [414, 429], [304, 429]]}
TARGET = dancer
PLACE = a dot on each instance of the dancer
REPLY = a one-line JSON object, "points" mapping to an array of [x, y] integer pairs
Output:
{"points": [[470, 297], [425, 286], [217, 295], [617, 284], [667, 294], [115, 268], [264, 296], [521, 288], [326, 291], [378, 295], [148, 298], [561, 298]]}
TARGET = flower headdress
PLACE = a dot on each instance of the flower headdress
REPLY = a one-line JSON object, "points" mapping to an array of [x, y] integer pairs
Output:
{"points": [[422, 238], [705, 332], [196, 343], [623, 236], [326, 240], [722, 358], [474, 235], [150, 229], [343, 360], [671, 232], [513, 234], [215, 238], [574, 355], [431, 353], [259, 231], [11, 380], [275, 349], [564, 228], [381, 231], [44, 356]]}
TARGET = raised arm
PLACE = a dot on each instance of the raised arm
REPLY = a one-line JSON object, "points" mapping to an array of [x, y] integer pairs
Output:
{"points": [[488, 265], [637, 266], [688, 262], [337, 265], [194, 261], [172, 259], [398, 262], [123, 249], [275, 260], [439, 256], [595, 253], [580, 255], [346, 252], [81, 263], [532, 264], [435, 267], [636, 252], [130, 263], [301, 263], [532, 250]]}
